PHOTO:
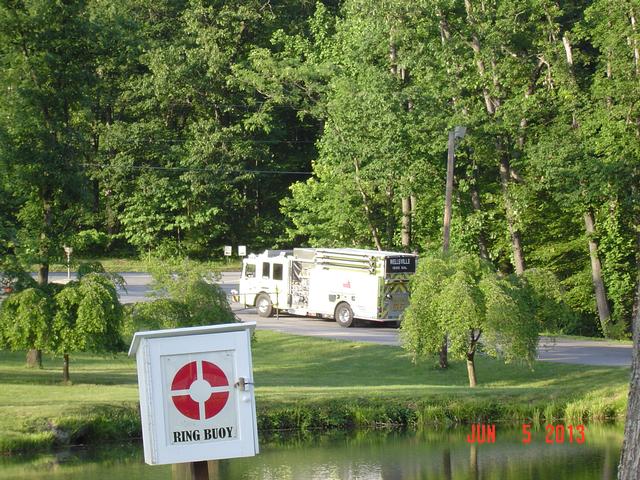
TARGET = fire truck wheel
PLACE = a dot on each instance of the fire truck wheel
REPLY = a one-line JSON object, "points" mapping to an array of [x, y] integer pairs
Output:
{"points": [[264, 305], [344, 315]]}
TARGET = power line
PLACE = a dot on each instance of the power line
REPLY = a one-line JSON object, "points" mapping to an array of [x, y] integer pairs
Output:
{"points": [[230, 140], [194, 169]]}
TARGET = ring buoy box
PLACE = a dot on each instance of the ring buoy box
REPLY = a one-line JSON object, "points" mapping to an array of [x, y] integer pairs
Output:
{"points": [[196, 393]]}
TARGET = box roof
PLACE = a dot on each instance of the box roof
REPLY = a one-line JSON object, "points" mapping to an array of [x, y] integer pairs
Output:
{"points": [[183, 332]]}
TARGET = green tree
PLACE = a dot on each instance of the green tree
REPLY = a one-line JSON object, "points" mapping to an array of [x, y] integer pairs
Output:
{"points": [[193, 140], [461, 296], [25, 320], [87, 318], [84, 315], [194, 298], [47, 67], [365, 161]]}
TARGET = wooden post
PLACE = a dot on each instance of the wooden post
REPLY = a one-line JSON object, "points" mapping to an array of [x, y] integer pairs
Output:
{"points": [[448, 193], [406, 224], [446, 234], [199, 470], [203, 470]]}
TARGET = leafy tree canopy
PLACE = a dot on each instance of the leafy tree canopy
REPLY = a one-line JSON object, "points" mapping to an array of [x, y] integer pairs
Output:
{"points": [[462, 297]]}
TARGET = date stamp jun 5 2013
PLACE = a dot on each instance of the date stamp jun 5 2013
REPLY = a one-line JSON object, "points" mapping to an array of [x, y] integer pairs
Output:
{"points": [[553, 434]]}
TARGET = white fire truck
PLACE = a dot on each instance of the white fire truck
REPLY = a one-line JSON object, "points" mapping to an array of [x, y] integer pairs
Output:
{"points": [[340, 283]]}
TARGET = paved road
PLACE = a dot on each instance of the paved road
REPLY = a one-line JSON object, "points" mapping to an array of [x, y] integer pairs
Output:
{"points": [[138, 289], [560, 349]]}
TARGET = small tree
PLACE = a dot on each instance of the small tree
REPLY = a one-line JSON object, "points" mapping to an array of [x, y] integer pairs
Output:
{"points": [[84, 315], [194, 299], [194, 285], [88, 317], [25, 320], [464, 298]]}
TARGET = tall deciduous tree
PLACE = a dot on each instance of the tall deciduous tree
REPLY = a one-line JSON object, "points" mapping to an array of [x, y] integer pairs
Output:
{"points": [[196, 136], [630, 455], [47, 67]]}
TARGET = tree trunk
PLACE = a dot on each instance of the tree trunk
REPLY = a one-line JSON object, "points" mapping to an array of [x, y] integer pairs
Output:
{"points": [[471, 353], [635, 309], [367, 210], [596, 274], [448, 193], [516, 239], [406, 223], [606, 465], [634, 42], [406, 201], [477, 208], [491, 105], [65, 368], [596, 267], [443, 353], [446, 463], [474, 471], [446, 226], [630, 455], [390, 216], [34, 358], [471, 369], [44, 247]]}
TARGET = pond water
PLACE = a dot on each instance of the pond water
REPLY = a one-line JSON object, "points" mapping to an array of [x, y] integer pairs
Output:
{"points": [[430, 454]]}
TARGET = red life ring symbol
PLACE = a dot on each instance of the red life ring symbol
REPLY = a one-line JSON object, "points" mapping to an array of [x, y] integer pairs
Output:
{"points": [[200, 390]]}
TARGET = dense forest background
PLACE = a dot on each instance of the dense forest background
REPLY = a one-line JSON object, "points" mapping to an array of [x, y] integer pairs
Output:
{"points": [[176, 127]]}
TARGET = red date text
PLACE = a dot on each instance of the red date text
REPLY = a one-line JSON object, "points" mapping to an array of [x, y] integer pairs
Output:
{"points": [[557, 434]]}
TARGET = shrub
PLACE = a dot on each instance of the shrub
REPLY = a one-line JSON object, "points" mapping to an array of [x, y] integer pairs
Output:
{"points": [[90, 243]]}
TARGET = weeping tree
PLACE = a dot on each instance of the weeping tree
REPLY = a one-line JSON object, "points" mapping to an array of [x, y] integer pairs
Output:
{"points": [[87, 318], [463, 297], [25, 320], [82, 316]]}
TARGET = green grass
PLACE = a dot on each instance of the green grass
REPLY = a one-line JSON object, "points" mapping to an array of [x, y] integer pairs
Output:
{"points": [[117, 265], [304, 383]]}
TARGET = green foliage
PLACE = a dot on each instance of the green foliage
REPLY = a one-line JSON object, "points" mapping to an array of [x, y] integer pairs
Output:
{"points": [[157, 315], [193, 284], [13, 276], [26, 320], [89, 243], [548, 301], [88, 317], [86, 268], [194, 299], [462, 297], [47, 71], [174, 130]]}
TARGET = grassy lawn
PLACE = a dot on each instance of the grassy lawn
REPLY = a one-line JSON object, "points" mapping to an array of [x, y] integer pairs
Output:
{"points": [[293, 371], [335, 368]]}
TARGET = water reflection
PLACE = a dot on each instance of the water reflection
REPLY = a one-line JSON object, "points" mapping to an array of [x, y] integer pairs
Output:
{"points": [[364, 456]]}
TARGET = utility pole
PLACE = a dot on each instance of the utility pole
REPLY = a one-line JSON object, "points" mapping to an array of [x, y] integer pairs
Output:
{"points": [[456, 134]]}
